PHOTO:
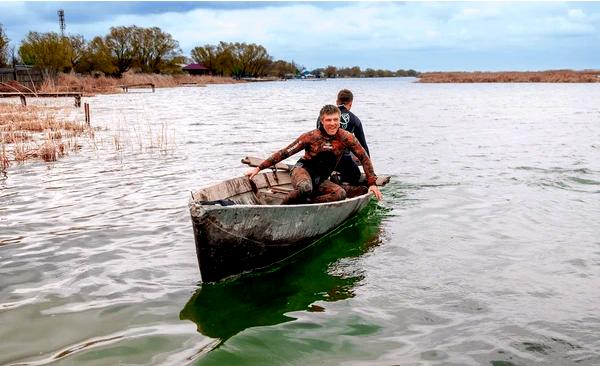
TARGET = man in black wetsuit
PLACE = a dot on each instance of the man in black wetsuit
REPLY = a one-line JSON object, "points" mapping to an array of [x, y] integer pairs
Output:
{"points": [[349, 172]]}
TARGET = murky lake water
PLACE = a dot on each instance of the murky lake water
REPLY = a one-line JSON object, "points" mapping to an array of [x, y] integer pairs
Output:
{"points": [[485, 249]]}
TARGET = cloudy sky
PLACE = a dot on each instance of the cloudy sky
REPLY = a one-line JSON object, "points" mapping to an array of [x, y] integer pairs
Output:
{"points": [[425, 36]]}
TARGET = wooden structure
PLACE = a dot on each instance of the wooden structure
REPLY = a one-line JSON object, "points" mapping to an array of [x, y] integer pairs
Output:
{"points": [[28, 76], [23, 96], [126, 87], [192, 84], [240, 225], [196, 69]]}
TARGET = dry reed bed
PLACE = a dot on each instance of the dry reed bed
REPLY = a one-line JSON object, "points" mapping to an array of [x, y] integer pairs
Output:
{"points": [[554, 76], [104, 85], [34, 132]]}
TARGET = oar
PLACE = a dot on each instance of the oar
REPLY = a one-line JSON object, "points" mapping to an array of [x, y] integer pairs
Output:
{"points": [[254, 161]]}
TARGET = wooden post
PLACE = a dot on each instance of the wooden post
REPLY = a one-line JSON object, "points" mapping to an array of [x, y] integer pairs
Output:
{"points": [[78, 101], [152, 88], [23, 100], [14, 65], [86, 108]]}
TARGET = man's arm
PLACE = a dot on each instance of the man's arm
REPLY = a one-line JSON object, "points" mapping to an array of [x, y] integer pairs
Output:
{"points": [[278, 156]]}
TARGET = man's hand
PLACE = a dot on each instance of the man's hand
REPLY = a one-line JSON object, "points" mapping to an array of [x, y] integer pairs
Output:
{"points": [[252, 172], [376, 192]]}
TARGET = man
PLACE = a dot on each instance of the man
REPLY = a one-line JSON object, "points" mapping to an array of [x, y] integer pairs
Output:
{"points": [[349, 171], [323, 148]]}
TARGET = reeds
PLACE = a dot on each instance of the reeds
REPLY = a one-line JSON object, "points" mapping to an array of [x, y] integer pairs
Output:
{"points": [[551, 76], [107, 85], [34, 132]]}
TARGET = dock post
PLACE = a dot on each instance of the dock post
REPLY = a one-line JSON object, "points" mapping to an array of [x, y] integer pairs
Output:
{"points": [[23, 100], [86, 108]]}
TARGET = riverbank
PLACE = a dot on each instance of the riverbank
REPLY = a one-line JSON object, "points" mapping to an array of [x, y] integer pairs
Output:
{"points": [[550, 76], [90, 85], [108, 85]]}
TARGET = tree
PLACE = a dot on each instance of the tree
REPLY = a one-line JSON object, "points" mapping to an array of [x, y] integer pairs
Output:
{"points": [[96, 58], [370, 73], [206, 56], [49, 51], [330, 71], [281, 68], [225, 62], [4, 41], [153, 49], [77, 48], [120, 44]]}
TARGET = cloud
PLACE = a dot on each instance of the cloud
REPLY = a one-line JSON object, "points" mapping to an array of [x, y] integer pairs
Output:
{"points": [[368, 34]]}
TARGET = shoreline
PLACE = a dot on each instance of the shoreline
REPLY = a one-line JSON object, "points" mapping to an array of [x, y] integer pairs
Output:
{"points": [[548, 76], [89, 85]]}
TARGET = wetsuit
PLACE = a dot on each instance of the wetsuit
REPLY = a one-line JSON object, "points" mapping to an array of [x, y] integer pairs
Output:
{"points": [[347, 168], [322, 153]]}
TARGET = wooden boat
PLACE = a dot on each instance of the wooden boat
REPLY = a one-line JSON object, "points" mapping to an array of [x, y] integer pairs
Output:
{"points": [[239, 225]]}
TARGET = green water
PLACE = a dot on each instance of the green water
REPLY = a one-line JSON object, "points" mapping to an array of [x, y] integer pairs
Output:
{"points": [[241, 313]]}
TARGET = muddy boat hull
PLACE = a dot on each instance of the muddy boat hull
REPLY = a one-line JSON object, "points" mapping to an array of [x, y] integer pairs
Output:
{"points": [[231, 240]]}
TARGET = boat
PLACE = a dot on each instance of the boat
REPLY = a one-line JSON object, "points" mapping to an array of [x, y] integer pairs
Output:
{"points": [[240, 225]]}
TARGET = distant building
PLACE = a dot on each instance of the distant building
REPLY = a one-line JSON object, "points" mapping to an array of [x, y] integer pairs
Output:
{"points": [[196, 69]]}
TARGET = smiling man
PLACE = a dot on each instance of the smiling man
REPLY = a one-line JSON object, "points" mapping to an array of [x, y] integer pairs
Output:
{"points": [[323, 148]]}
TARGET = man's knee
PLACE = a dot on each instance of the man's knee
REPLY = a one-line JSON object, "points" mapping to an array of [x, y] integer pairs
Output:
{"points": [[304, 188], [340, 194]]}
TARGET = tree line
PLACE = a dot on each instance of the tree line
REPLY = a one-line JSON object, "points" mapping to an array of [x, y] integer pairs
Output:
{"points": [[152, 50]]}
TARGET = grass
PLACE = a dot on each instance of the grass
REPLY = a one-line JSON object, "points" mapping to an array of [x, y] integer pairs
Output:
{"points": [[34, 132], [551, 76], [39, 133], [107, 85]]}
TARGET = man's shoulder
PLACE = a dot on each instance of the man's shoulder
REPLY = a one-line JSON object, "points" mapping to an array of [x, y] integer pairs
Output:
{"points": [[311, 134], [354, 117], [343, 134]]}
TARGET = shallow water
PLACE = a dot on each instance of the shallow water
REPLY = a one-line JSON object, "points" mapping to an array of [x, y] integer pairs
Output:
{"points": [[485, 249]]}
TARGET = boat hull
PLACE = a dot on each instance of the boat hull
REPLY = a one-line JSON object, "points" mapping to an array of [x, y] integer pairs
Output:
{"points": [[231, 240]]}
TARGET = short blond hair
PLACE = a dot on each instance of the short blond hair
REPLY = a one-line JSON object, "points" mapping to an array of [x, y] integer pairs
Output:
{"points": [[329, 109]]}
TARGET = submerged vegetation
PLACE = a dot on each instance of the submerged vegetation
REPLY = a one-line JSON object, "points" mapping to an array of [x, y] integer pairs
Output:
{"points": [[34, 132]]}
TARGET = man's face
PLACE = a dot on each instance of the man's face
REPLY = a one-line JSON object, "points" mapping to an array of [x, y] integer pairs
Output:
{"points": [[331, 123]]}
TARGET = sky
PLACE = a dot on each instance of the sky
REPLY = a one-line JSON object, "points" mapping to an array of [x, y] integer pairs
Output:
{"points": [[419, 35]]}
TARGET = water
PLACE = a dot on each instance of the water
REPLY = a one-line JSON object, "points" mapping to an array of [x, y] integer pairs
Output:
{"points": [[485, 249]]}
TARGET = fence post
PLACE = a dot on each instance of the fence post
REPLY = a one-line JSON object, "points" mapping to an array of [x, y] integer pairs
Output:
{"points": [[86, 108], [14, 65]]}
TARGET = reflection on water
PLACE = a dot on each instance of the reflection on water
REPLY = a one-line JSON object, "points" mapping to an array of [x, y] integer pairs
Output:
{"points": [[490, 254], [222, 310]]}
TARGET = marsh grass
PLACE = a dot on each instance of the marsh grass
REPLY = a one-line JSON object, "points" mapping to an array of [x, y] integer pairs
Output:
{"points": [[35, 132], [135, 137], [551, 76], [106, 85]]}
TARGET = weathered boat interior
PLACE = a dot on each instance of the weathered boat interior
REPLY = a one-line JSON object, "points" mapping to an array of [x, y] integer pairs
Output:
{"points": [[269, 188]]}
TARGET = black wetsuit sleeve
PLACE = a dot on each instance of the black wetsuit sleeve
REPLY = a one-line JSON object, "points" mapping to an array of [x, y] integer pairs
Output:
{"points": [[360, 135]]}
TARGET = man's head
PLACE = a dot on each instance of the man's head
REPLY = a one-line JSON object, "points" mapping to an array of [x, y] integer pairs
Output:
{"points": [[345, 98], [330, 119]]}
